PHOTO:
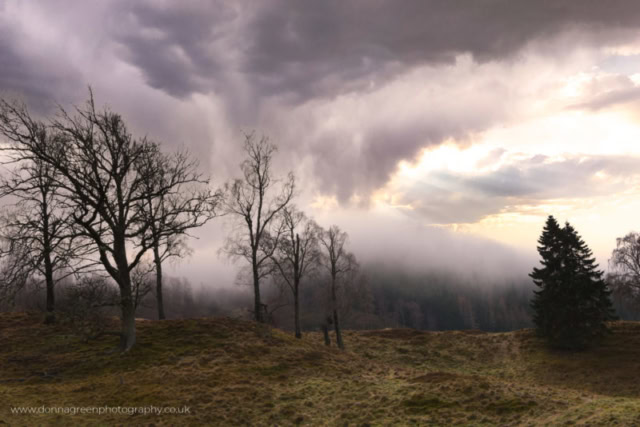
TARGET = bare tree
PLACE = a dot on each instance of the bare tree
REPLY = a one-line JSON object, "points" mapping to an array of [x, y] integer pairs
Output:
{"points": [[254, 201], [325, 330], [15, 272], [296, 255], [340, 265], [141, 281], [87, 304], [178, 199], [624, 277], [100, 172], [36, 226]]}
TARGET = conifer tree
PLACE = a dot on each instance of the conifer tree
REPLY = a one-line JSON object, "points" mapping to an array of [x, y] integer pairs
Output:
{"points": [[573, 302], [547, 278]]}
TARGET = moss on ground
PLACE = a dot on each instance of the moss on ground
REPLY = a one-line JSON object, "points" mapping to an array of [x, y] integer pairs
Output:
{"points": [[230, 372]]}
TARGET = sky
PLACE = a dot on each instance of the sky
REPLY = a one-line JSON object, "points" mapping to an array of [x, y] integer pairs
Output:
{"points": [[438, 131]]}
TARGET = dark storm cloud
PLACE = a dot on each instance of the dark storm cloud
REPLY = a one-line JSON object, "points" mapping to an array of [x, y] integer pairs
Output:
{"points": [[446, 197], [174, 44], [320, 48], [260, 62], [295, 52], [342, 166], [15, 73], [31, 76], [309, 49]]}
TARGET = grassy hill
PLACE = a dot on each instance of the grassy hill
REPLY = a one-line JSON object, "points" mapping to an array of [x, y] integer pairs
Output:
{"points": [[231, 372]]}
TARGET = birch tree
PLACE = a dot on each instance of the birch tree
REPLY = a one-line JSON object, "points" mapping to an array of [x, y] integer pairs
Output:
{"points": [[624, 277], [254, 201], [38, 239], [177, 200], [340, 265], [297, 254]]}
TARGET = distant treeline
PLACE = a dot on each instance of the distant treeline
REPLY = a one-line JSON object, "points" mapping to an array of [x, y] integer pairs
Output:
{"points": [[390, 298], [382, 298]]}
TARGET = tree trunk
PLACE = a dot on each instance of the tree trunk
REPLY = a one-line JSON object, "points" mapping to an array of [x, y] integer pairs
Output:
{"points": [[256, 293], [48, 273], [296, 286], [325, 330], [158, 262], [128, 335], [336, 321], [127, 304], [296, 310], [336, 325], [48, 265]]}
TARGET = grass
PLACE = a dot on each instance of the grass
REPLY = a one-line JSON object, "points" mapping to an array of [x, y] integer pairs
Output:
{"points": [[231, 372]]}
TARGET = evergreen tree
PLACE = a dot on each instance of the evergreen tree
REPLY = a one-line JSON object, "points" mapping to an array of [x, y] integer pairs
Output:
{"points": [[548, 278], [573, 302]]}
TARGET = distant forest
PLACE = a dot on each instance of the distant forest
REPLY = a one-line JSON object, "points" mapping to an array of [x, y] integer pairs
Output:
{"points": [[383, 298]]}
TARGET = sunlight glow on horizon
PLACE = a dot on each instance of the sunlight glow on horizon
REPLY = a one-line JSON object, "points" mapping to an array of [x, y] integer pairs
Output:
{"points": [[570, 132]]}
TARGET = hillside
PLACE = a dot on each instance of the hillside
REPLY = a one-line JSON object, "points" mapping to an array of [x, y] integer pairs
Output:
{"points": [[231, 373]]}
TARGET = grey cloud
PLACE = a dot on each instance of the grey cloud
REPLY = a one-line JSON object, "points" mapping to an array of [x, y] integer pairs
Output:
{"points": [[611, 98], [274, 65], [31, 77], [297, 52], [259, 60], [625, 64], [608, 91], [398, 123], [446, 197], [309, 49], [341, 167], [452, 208], [174, 45]]}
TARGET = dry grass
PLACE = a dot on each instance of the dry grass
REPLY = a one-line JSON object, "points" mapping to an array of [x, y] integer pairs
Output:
{"points": [[231, 372]]}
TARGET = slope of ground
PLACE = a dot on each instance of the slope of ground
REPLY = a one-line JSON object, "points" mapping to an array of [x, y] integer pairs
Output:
{"points": [[230, 372]]}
